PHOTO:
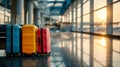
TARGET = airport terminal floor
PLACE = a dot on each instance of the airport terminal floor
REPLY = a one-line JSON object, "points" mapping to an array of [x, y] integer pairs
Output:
{"points": [[66, 52], [83, 33]]}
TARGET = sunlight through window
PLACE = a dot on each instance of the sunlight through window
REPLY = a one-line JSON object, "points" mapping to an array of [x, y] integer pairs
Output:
{"points": [[100, 16], [103, 42]]}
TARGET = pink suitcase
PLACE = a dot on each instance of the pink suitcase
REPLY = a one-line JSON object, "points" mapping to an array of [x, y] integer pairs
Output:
{"points": [[45, 40]]}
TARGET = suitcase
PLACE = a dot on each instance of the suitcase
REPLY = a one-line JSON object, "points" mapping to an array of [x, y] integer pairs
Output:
{"points": [[39, 51], [29, 40], [16, 39], [8, 39], [45, 35]]}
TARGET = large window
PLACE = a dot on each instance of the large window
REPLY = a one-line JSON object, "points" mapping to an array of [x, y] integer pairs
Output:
{"points": [[101, 17], [116, 18], [86, 16], [4, 15], [100, 21]]}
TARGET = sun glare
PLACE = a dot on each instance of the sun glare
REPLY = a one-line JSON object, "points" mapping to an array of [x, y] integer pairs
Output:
{"points": [[101, 15], [103, 42]]}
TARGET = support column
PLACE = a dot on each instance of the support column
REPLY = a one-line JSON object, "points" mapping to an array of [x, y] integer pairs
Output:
{"points": [[72, 30], [76, 27], [109, 29], [91, 31], [81, 23], [42, 20], [40, 24], [20, 12], [72, 15], [81, 30], [36, 16], [30, 7], [17, 12], [13, 12]]}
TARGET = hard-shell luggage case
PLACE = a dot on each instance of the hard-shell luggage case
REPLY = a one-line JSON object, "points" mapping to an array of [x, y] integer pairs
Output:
{"points": [[29, 40], [45, 40], [8, 40], [16, 39], [2, 36], [39, 51]]}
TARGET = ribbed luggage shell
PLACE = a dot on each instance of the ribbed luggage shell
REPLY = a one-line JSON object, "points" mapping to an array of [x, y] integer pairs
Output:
{"points": [[45, 40], [16, 38], [29, 39], [39, 46], [9, 39]]}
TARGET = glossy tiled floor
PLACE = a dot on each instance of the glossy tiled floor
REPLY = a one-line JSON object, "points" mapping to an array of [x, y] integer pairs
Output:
{"points": [[58, 58], [69, 51]]}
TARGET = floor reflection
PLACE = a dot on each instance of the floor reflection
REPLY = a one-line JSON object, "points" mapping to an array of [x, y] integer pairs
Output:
{"points": [[103, 42], [91, 50], [69, 51]]}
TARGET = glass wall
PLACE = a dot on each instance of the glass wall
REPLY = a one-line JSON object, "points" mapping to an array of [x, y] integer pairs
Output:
{"points": [[104, 17], [102, 14], [116, 18], [86, 15], [4, 16], [100, 21]]}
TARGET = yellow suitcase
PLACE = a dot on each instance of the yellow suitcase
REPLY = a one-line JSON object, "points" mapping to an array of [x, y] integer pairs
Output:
{"points": [[29, 39]]}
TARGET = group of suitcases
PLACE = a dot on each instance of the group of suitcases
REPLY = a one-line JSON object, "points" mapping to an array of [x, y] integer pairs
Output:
{"points": [[27, 40]]}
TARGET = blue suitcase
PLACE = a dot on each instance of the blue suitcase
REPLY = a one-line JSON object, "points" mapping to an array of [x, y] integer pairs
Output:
{"points": [[8, 39], [16, 39]]}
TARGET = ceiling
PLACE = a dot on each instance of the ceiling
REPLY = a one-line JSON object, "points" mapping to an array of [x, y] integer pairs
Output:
{"points": [[55, 7], [51, 7]]}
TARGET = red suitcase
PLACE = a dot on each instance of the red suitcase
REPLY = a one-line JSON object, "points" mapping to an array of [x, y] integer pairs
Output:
{"points": [[39, 51], [45, 35]]}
